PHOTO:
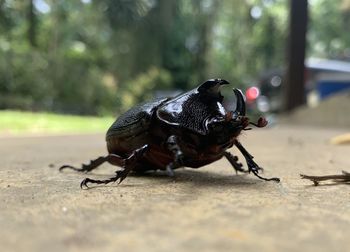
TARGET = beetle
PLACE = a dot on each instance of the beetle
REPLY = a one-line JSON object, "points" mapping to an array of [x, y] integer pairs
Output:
{"points": [[192, 129]]}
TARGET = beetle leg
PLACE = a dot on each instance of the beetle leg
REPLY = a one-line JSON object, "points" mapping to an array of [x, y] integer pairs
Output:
{"points": [[173, 146], [127, 163], [234, 162], [252, 166], [111, 158]]}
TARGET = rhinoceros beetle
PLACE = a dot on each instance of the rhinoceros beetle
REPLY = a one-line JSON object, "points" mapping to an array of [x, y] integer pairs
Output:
{"points": [[192, 129]]}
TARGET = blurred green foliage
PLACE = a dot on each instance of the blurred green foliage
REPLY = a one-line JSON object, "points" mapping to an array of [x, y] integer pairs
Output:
{"points": [[102, 56], [19, 122], [143, 85], [328, 32]]}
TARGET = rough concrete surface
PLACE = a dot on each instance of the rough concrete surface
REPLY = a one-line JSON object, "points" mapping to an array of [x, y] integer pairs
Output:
{"points": [[209, 209]]}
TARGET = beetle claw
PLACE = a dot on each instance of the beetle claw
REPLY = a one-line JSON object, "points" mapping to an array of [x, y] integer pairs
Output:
{"points": [[121, 175], [255, 170], [83, 184], [254, 167]]}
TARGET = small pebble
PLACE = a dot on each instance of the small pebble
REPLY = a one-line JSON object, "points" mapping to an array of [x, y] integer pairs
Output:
{"points": [[64, 209]]}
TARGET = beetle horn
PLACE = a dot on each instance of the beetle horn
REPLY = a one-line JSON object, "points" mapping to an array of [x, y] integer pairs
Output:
{"points": [[212, 86], [240, 107]]}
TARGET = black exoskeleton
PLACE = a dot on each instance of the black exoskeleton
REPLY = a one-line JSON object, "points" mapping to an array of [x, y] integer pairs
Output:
{"points": [[192, 129]]}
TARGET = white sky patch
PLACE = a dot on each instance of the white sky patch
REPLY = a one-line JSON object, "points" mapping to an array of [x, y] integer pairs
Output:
{"points": [[313, 2], [268, 3], [86, 1], [42, 6], [256, 12], [78, 46]]}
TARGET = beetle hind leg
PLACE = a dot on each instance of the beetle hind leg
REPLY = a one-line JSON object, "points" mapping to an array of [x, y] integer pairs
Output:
{"points": [[127, 163], [88, 167]]}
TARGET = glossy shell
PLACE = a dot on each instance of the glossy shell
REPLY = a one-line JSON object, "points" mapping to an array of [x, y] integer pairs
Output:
{"points": [[134, 121], [191, 111]]}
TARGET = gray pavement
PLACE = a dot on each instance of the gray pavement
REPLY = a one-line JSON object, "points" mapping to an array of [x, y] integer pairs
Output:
{"points": [[209, 209]]}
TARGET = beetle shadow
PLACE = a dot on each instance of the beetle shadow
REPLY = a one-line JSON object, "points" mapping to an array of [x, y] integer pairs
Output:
{"points": [[329, 184], [204, 178], [196, 177]]}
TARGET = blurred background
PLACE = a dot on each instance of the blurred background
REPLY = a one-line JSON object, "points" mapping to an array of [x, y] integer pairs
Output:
{"points": [[99, 58]]}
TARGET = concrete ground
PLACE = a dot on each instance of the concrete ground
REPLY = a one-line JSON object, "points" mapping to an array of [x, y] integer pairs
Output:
{"points": [[209, 209]]}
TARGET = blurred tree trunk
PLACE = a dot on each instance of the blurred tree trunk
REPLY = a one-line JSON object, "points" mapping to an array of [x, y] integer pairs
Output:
{"points": [[168, 11], [205, 26], [294, 91], [6, 25], [32, 24]]}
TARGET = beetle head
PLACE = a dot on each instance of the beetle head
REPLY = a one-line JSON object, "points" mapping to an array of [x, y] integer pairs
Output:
{"points": [[229, 123], [222, 129]]}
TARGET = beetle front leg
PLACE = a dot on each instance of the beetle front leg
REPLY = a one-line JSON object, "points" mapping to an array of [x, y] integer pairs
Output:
{"points": [[252, 166], [173, 146], [234, 162]]}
